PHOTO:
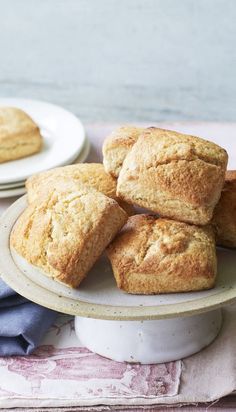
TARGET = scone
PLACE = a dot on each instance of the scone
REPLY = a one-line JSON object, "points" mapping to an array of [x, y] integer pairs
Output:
{"points": [[173, 174], [19, 135], [152, 255], [66, 233], [71, 177], [117, 145], [224, 217]]}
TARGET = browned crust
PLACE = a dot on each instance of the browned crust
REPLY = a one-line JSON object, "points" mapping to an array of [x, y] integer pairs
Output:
{"points": [[116, 147], [19, 135], [175, 175], [66, 233], [152, 255], [70, 177], [123, 136], [230, 176], [224, 218]]}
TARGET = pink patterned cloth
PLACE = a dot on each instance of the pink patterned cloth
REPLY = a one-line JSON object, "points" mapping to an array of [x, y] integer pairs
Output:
{"points": [[64, 374], [61, 370]]}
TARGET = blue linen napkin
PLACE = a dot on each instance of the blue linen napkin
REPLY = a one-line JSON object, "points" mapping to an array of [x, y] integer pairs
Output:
{"points": [[22, 323]]}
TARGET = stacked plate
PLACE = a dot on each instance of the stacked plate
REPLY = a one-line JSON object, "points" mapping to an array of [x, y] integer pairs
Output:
{"points": [[64, 143]]}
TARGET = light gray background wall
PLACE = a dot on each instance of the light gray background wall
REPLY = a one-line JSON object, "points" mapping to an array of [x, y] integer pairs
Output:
{"points": [[122, 60]]}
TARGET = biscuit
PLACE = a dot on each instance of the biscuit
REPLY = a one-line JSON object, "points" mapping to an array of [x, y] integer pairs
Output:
{"points": [[19, 135], [117, 145], [224, 217], [173, 174], [151, 255], [71, 177], [66, 233]]}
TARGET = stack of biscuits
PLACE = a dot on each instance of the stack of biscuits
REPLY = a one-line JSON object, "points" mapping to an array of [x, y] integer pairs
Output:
{"points": [[189, 200]]}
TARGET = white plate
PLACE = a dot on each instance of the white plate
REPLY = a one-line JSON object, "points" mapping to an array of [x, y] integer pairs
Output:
{"points": [[63, 136], [84, 152], [98, 295], [20, 190], [12, 192], [12, 185]]}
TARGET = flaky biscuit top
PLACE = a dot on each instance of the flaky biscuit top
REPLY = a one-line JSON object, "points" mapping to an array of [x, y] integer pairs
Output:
{"points": [[14, 121], [173, 174]]}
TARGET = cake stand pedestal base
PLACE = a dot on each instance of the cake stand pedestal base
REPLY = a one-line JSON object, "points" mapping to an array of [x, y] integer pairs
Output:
{"points": [[149, 341]]}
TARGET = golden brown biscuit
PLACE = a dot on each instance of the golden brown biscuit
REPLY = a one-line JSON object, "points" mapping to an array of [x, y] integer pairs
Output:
{"points": [[224, 217], [66, 233], [70, 177], [152, 255], [174, 175], [117, 145], [19, 135]]}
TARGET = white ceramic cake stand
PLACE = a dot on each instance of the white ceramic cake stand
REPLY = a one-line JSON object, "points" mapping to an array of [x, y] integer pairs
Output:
{"points": [[149, 341], [123, 327]]}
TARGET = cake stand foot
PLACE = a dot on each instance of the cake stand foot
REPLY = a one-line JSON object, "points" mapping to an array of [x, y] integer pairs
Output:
{"points": [[149, 341]]}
